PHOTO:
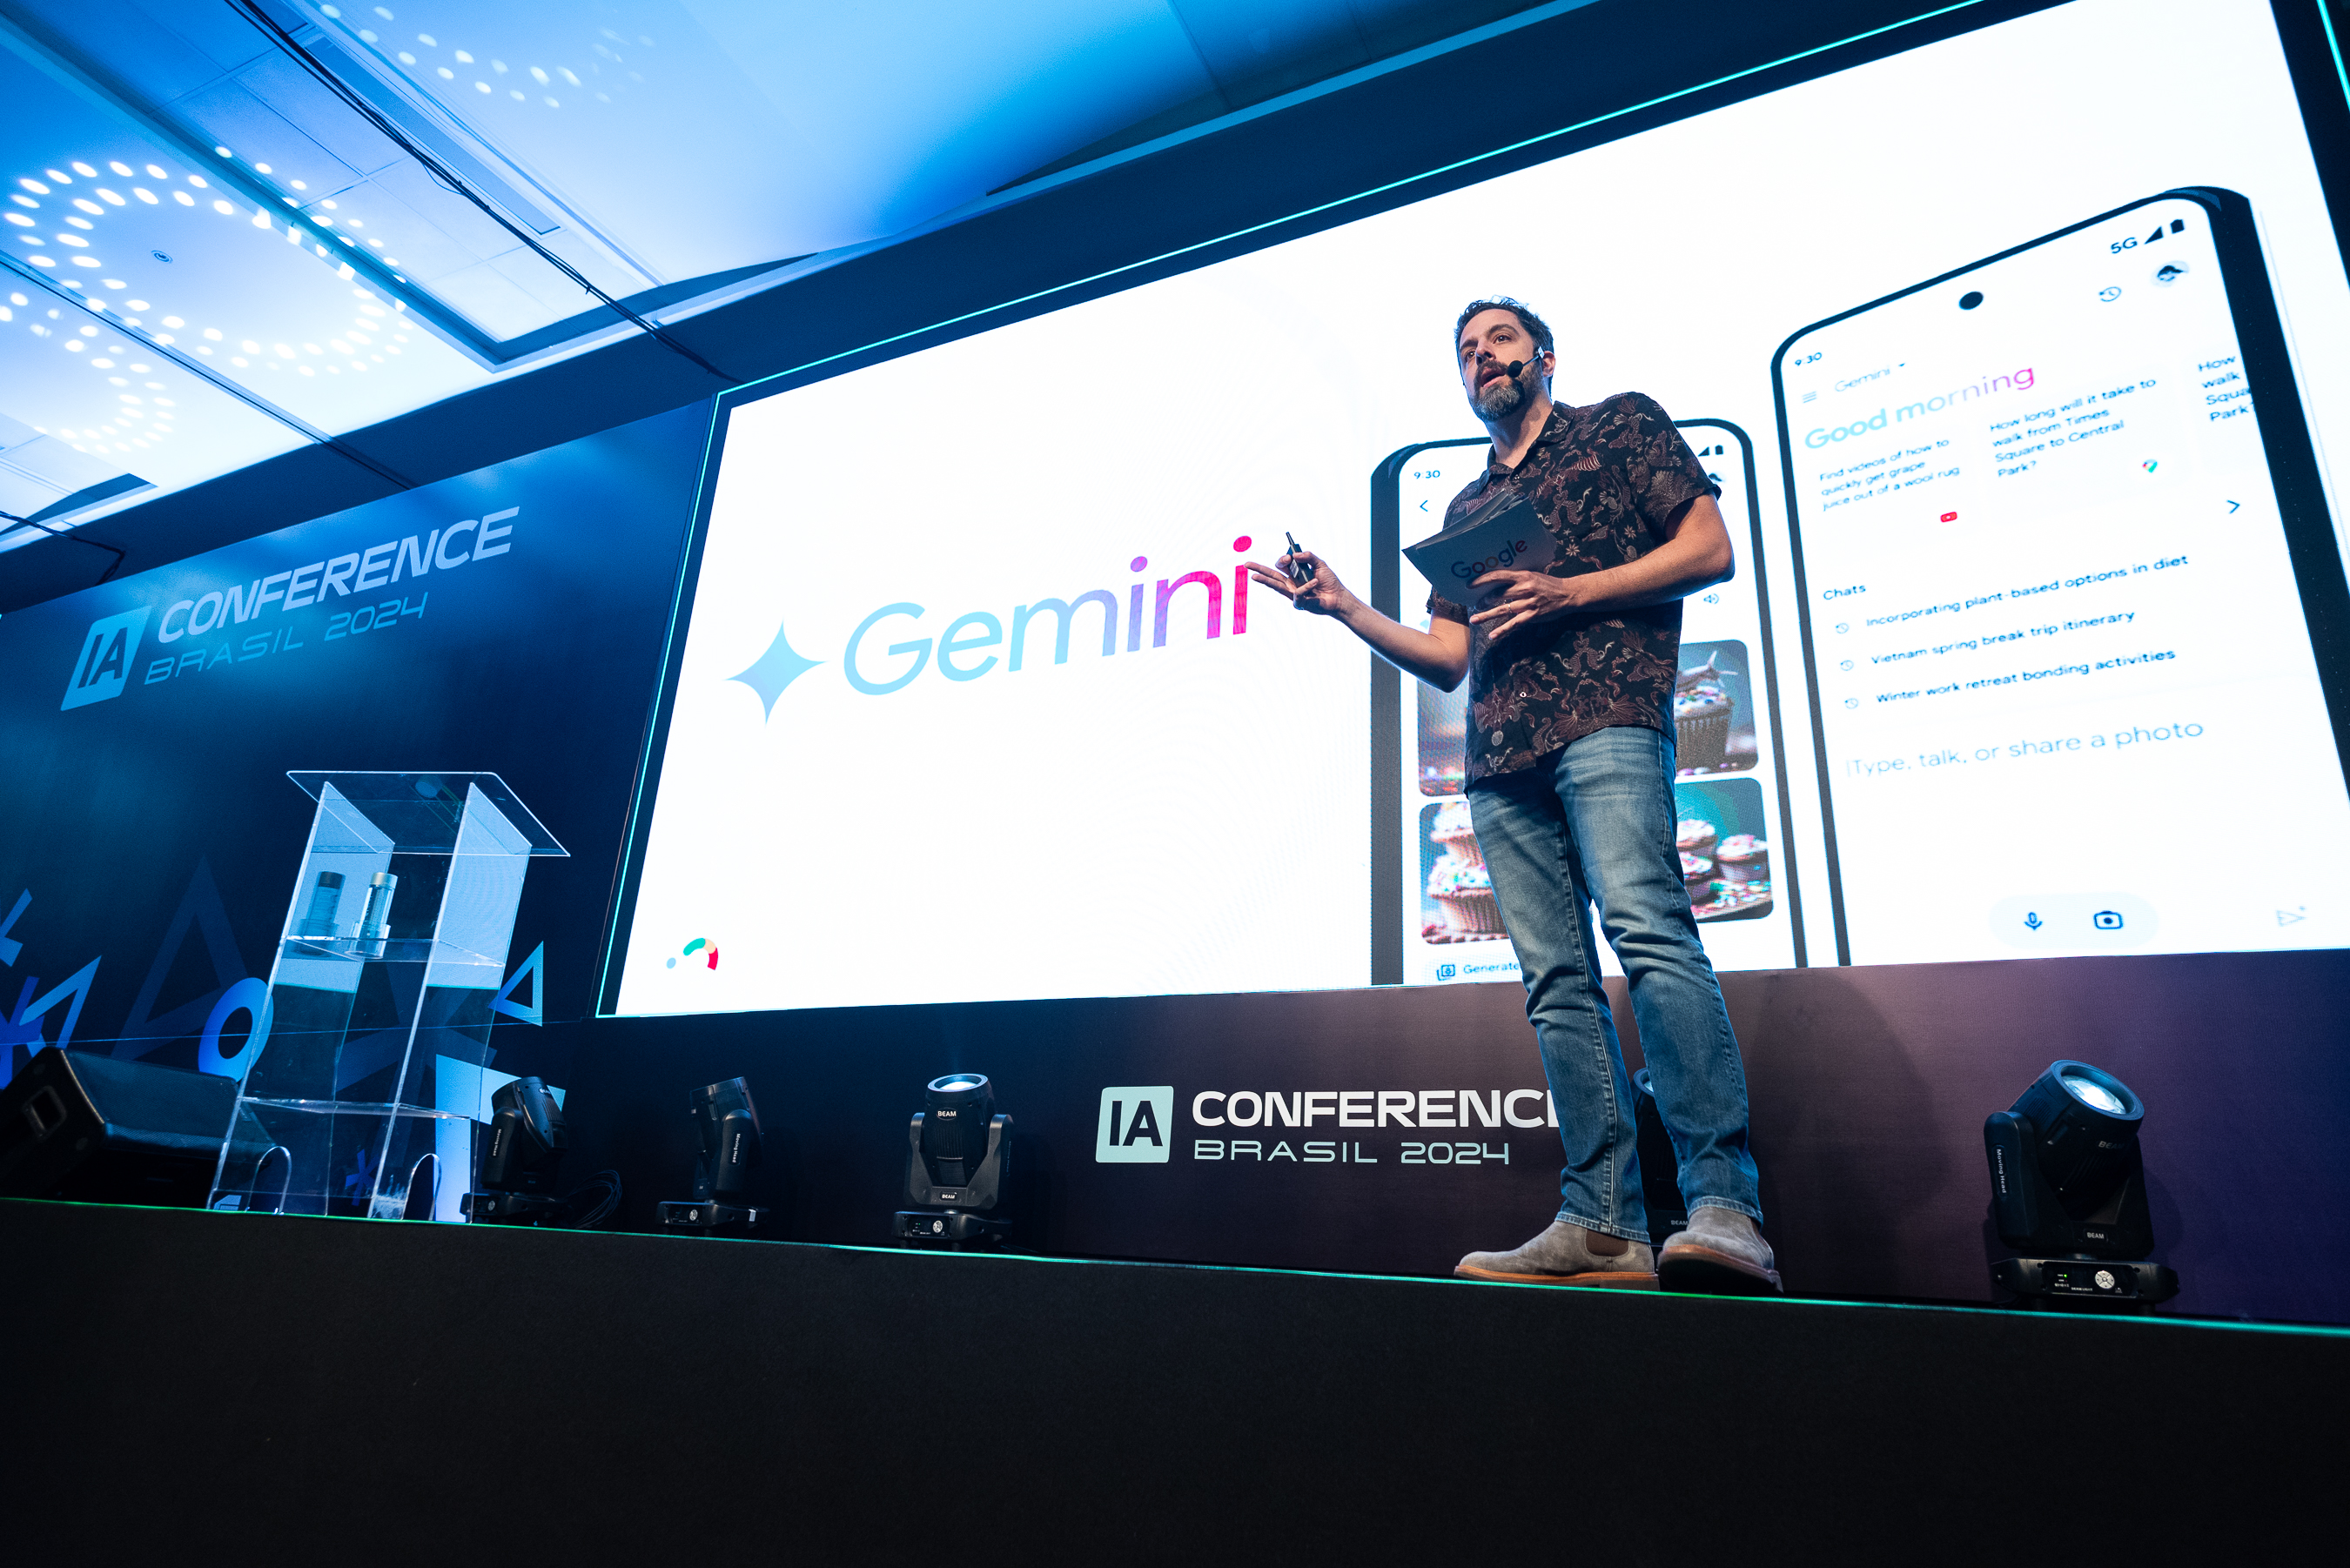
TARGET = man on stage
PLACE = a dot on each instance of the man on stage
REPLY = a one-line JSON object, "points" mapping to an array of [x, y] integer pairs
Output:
{"points": [[1570, 771]]}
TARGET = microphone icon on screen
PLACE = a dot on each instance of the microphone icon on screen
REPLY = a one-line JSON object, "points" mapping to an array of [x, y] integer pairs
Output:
{"points": [[2031, 921]]}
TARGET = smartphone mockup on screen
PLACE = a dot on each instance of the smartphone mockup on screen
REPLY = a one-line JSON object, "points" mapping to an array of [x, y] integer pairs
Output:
{"points": [[2072, 605], [1436, 922]]}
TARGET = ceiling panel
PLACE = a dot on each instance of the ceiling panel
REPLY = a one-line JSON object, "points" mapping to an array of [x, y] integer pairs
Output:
{"points": [[338, 213]]}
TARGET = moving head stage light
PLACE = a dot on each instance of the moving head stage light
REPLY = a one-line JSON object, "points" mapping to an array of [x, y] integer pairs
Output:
{"points": [[728, 1126], [2068, 1192], [955, 1171], [517, 1180]]}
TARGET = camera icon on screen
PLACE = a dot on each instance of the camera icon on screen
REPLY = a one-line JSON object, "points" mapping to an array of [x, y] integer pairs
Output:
{"points": [[1446, 970], [2106, 920]]}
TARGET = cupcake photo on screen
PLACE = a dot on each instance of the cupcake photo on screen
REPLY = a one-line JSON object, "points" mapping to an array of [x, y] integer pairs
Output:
{"points": [[1456, 890], [1725, 859], [1443, 727], [1714, 710]]}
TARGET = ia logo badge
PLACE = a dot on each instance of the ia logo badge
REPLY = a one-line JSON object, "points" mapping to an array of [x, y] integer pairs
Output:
{"points": [[1135, 1124], [103, 665]]}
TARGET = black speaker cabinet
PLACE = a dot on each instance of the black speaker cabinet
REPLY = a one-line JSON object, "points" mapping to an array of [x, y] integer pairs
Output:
{"points": [[88, 1127]]}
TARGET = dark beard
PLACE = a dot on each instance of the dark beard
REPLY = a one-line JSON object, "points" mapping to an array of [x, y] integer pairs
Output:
{"points": [[1498, 400]]}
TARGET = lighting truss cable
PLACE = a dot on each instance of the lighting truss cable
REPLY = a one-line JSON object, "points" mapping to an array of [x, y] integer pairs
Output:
{"points": [[456, 182], [10, 517]]}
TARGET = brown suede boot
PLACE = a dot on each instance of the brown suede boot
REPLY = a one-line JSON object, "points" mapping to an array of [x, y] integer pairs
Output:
{"points": [[1723, 1253], [1567, 1254]]}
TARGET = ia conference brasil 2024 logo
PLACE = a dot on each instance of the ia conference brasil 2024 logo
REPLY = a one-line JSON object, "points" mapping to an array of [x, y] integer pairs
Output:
{"points": [[959, 651], [108, 650]]}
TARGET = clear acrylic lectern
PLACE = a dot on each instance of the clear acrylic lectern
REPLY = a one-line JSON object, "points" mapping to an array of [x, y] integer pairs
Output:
{"points": [[394, 946]]}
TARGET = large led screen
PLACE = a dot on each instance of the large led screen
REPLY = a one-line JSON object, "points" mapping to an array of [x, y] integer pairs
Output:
{"points": [[2009, 354]]}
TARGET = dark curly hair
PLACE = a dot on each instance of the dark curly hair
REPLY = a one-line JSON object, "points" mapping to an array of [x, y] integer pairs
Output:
{"points": [[1537, 328]]}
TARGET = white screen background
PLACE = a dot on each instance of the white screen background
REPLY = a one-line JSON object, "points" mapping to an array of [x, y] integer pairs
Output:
{"points": [[1196, 818]]}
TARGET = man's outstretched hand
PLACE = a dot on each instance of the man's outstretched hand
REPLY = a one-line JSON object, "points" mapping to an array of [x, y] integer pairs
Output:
{"points": [[1322, 593]]}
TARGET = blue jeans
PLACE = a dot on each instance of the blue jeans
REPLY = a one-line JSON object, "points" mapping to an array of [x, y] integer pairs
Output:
{"points": [[1594, 823]]}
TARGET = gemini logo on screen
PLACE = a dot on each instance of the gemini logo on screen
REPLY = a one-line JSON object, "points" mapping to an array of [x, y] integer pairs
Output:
{"points": [[1136, 1126], [104, 667], [960, 649]]}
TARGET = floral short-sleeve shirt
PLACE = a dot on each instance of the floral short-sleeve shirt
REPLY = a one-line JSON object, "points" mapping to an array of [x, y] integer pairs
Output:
{"points": [[1609, 481]]}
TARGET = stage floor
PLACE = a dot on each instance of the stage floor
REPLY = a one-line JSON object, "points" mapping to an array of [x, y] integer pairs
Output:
{"points": [[348, 1389]]}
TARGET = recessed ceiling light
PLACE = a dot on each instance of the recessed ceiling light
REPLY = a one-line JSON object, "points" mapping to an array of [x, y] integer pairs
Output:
{"points": [[224, 151], [157, 172], [183, 198], [122, 169], [263, 169], [222, 207], [136, 304], [197, 182], [85, 170]]}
